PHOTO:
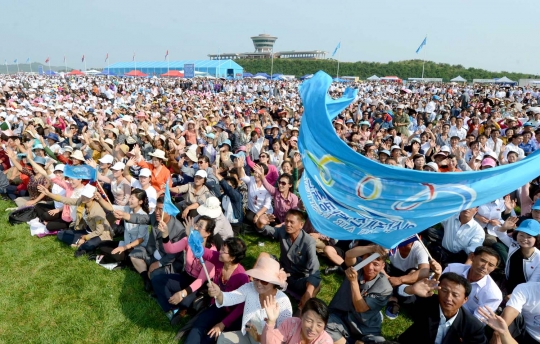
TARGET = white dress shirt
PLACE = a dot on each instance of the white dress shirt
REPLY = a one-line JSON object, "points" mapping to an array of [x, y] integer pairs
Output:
{"points": [[491, 211], [458, 237], [484, 292], [444, 325]]}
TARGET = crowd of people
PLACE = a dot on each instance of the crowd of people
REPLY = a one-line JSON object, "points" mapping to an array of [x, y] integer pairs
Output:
{"points": [[228, 150]]}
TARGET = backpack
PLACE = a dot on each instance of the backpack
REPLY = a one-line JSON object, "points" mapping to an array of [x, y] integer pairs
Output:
{"points": [[22, 215]]}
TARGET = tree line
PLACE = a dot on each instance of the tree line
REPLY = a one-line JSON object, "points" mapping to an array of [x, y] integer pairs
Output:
{"points": [[402, 69]]}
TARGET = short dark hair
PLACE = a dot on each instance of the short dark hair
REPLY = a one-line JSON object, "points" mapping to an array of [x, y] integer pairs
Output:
{"points": [[237, 248], [453, 277], [317, 306], [487, 250], [160, 199], [231, 180], [299, 214]]}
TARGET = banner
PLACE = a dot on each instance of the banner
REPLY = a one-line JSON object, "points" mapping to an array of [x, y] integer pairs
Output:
{"points": [[189, 70], [348, 196], [80, 172]]}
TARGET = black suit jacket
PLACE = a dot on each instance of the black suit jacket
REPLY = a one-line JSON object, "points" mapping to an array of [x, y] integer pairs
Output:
{"points": [[466, 328]]}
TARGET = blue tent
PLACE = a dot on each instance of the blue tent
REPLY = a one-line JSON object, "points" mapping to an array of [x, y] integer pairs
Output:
{"points": [[338, 80], [247, 75], [106, 72], [307, 76], [263, 74], [50, 72]]}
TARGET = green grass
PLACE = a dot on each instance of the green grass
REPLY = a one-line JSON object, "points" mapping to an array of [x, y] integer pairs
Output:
{"points": [[48, 296]]}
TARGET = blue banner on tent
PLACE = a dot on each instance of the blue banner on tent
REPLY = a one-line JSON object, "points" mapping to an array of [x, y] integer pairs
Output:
{"points": [[189, 70], [348, 196]]}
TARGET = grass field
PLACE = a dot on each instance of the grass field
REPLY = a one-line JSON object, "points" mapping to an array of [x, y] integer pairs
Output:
{"points": [[48, 296]]}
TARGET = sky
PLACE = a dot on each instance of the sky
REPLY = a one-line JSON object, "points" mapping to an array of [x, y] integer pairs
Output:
{"points": [[495, 35]]}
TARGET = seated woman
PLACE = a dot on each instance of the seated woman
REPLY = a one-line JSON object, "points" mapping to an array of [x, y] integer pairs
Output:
{"points": [[523, 263], [120, 186], [307, 329], [176, 292], [229, 275], [268, 280], [91, 227], [194, 193], [142, 183], [134, 234]]}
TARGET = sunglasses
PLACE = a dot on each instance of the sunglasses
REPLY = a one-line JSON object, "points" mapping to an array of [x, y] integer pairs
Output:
{"points": [[260, 281], [282, 183], [201, 162]]}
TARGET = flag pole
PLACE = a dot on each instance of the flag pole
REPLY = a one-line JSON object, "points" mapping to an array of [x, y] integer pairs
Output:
{"points": [[85, 63], [168, 64], [7, 68], [30, 66], [65, 64], [337, 76], [272, 64], [18, 66], [424, 62], [49, 64]]}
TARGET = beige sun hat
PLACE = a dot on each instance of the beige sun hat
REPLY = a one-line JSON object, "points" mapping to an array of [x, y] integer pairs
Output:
{"points": [[78, 155], [268, 270], [158, 153]]}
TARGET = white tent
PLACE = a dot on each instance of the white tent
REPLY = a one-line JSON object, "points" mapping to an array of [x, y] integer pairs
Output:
{"points": [[374, 78], [91, 72], [459, 78], [504, 80]]}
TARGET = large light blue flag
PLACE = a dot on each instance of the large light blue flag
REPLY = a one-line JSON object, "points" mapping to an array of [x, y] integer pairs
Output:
{"points": [[168, 205], [348, 196], [421, 45], [337, 48]]}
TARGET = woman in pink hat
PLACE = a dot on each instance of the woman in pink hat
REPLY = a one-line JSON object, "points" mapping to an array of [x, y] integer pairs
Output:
{"points": [[268, 281]]}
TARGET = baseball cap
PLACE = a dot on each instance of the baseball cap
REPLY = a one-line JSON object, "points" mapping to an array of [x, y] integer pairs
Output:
{"points": [[88, 191], [201, 173], [536, 205], [59, 167], [529, 226], [433, 166], [107, 159], [119, 166], [145, 173]]}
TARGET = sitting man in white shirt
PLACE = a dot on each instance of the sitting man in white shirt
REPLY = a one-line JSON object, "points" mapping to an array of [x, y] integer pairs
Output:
{"points": [[522, 313], [408, 264], [485, 291], [460, 236]]}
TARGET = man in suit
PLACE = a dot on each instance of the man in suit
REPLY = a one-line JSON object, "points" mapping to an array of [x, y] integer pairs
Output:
{"points": [[442, 319]]}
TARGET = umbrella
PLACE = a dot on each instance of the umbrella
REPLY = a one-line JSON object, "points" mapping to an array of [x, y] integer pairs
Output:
{"points": [[405, 90], [75, 72], [50, 72], [173, 73], [260, 77], [135, 73], [262, 74], [247, 75], [107, 72]]}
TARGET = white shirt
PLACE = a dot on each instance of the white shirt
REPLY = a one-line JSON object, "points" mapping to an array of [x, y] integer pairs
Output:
{"points": [[258, 197], [491, 211], [491, 144], [458, 237], [512, 147], [416, 257], [253, 310], [461, 132], [484, 292], [444, 325], [526, 300], [150, 193]]}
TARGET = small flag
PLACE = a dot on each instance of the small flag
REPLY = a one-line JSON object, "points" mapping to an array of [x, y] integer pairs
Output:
{"points": [[337, 48], [64, 58], [15, 61], [166, 54], [133, 56], [28, 60], [421, 45], [107, 57], [168, 205], [47, 60], [81, 172], [5, 62], [82, 60]]}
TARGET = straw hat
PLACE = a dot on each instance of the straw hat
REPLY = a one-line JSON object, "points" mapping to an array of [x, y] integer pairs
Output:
{"points": [[268, 270], [78, 155], [158, 153]]}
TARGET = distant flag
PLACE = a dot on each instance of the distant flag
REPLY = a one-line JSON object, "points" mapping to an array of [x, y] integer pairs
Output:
{"points": [[107, 57], [421, 45], [166, 54], [64, 58], [133, 56], [28, 60], [15, 61], [5, 62], [47, 60], [82, 60], [337, 48]]}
